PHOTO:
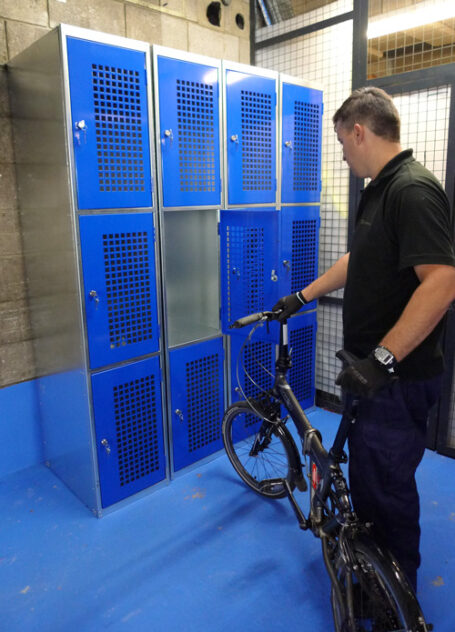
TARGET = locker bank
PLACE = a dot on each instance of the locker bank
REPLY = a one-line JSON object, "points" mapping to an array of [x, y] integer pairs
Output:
{"points": [[154, 215]]}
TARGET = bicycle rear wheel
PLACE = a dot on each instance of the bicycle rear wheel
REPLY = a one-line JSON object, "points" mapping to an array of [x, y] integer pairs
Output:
{"points": [[383, 600], [262, 453]]}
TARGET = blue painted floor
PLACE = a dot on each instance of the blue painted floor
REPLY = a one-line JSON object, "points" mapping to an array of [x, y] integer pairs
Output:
{"points": [[202, 554]]}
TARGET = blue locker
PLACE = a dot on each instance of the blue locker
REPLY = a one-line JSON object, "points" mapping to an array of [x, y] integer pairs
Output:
{"points": [[301, 144], [302, 341], [109, 108], [249, 248], [127, 407], [251, 138], [299, 249], [197, 395], [189, 133], [118, 262], [258, 361]]}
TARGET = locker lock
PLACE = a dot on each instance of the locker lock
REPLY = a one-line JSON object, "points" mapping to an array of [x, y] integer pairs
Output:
{"points": [[169, 134], [288, 144], [179, 413], [81, 126], [235, 138], [105, 444], [94, 296], [287, 264]]}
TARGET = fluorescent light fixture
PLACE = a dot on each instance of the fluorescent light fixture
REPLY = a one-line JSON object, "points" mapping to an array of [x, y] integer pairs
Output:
{"points": [[405, 20]]}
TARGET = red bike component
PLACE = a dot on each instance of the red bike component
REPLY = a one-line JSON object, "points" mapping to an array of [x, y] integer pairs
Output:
{"points": [[315, 476]]}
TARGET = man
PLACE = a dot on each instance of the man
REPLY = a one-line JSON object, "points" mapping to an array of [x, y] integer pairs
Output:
{"points": [[399, 280]]}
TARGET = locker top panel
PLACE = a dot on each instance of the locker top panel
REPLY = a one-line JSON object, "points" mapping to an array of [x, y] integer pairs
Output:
{"points": [[174, 53], [67, 30], [298, 81], [249, 70]]}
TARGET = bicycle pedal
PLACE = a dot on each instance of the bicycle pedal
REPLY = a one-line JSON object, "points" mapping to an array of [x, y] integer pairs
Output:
{"points": [[270, 484]]}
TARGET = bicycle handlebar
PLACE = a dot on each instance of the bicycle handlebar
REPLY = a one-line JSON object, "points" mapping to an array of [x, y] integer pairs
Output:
{"points": [[254, 318]]}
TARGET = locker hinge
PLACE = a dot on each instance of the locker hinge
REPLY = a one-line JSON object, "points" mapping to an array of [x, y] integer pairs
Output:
{"points": [[218, 228], [145, 76], [276, 184]]}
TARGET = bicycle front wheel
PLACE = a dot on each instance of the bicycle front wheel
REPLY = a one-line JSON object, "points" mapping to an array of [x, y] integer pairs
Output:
{"points": [[382, 599], [262, 453]]}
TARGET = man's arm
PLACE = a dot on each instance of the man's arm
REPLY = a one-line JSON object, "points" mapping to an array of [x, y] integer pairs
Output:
{"points": [[333, 279], [425, 308]]}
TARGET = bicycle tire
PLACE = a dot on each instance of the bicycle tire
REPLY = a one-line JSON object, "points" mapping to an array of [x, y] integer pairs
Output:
{"points": [[383, 600], [277, 458]]}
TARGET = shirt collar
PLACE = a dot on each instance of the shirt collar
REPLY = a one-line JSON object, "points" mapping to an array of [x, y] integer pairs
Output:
{"points": [[392, 166]]}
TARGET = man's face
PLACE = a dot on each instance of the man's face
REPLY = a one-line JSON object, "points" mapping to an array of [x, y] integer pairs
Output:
{"points": [[349, 140]]}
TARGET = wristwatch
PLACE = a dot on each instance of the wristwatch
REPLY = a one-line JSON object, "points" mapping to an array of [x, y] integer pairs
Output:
{"points": [[385, 358]]}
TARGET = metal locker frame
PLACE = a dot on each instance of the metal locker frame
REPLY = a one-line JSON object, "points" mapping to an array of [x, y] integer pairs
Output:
{"points": [[283, 143], [44, 132], [190, 58], [257, 73]]}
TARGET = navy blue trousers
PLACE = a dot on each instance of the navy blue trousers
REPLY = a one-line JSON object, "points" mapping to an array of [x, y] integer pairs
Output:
{"points": [[386, 444]]}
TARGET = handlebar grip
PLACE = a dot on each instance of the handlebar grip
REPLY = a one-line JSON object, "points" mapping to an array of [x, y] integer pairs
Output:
{"points": [[247, 320], [346, 357]]}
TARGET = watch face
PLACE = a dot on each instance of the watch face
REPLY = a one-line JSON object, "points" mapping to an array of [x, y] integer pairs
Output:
{"points": [[384, 356]]}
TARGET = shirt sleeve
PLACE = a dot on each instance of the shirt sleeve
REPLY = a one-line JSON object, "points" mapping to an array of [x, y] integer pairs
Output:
{"points": [[423, 227]]}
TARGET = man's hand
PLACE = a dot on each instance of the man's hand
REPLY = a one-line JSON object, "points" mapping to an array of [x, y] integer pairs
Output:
{"points": [[364, 377], [290, 305]]}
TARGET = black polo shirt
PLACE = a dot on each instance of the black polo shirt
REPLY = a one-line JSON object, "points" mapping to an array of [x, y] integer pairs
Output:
{"points": [[403, 220]]}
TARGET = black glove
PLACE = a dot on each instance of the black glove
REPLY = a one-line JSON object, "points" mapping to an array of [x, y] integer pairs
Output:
{"points": [[364, 377], [290, 305]]}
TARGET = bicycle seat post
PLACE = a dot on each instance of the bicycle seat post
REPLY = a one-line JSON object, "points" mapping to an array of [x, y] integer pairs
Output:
{"points": [[283, 362], [347, 419]]}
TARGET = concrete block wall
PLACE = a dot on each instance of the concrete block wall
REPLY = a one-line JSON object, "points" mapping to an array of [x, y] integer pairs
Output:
{"points": [[181, 24]]}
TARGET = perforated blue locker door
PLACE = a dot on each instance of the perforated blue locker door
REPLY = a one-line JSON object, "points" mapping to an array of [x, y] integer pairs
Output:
{"points": [[251, 138], [189, 133], [299, 249], [301, 144], [247, 359], [127, 408], [110, 125], [197, 393], [302, 342], [255, 359], [118, 262], [249, 278]]}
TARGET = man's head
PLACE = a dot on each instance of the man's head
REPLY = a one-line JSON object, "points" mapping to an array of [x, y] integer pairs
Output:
{"points": [[372, 107], [368, 127]]}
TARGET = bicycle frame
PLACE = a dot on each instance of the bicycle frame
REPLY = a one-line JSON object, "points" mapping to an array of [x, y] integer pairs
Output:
{"points": [[327, 463]]}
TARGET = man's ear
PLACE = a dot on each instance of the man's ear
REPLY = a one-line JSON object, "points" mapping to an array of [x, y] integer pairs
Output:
{"points": [[358, 132]]}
